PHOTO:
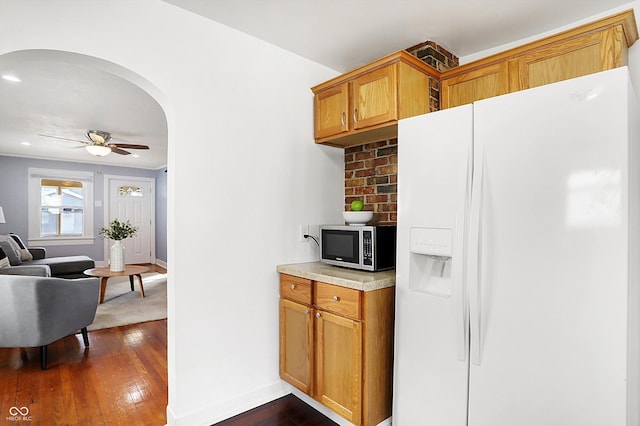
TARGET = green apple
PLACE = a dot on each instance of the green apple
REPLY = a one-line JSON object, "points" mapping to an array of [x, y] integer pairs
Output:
{"points": [[356, 205]]}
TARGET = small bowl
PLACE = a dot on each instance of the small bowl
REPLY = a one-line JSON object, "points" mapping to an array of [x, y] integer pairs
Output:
{"points": [[357, 218]]}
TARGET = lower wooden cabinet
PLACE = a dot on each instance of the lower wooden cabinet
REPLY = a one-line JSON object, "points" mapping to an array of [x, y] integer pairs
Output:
{"points": [[296, 344], [339, 364], [339, 348]]}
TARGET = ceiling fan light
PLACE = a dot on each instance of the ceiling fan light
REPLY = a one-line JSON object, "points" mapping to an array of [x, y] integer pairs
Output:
{"points": [[98, 150]]}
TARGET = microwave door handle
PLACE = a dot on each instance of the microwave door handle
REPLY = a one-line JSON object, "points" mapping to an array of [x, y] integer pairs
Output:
{"points": [[361, 247]]}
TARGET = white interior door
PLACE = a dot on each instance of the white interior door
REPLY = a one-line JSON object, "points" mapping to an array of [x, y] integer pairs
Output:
{"points": [[132, 199]]}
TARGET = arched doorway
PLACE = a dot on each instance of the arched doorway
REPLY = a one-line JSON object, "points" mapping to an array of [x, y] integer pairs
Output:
{"points": [[66, 94]]}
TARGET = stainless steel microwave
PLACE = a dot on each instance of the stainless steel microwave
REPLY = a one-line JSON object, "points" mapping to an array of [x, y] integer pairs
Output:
{"points": [[370, 248]]}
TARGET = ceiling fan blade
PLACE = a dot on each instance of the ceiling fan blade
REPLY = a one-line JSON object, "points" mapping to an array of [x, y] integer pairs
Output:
{"points": [[64, 139], [128, 145], [119, 151]]}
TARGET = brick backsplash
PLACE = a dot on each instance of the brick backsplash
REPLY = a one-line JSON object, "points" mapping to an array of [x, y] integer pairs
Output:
{"points": [[439, 58], [371, 170], [371, 175]]}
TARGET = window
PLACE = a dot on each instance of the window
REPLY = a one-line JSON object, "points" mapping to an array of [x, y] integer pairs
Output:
{"points": [[130, 191], [60, 207]]}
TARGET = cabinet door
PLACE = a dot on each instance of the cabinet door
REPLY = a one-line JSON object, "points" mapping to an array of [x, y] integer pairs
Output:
{"points": [[296, 345], [339, 365], [375, 97], [486, 82], [331, 106], [572, 58]]}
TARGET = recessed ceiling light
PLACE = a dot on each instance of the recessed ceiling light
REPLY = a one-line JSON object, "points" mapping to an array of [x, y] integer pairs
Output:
{"points": [[25, 143], [135, 156], [13, 78]]}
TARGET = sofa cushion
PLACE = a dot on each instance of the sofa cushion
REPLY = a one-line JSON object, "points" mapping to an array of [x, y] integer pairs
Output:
{"points": [[38, 252], [65, 265], [25, 254], [31, 270], [11, 249], [4, 260]]}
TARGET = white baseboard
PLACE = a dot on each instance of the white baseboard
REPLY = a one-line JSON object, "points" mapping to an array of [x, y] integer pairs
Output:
{"points": [[386, 422], [161, 263], [223, 410]]}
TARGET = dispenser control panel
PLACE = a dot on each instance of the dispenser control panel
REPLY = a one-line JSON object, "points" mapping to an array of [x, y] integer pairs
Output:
{"points": [[432, 241]]}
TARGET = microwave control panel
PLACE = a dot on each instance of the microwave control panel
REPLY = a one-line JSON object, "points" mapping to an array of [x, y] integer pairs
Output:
{"points": [[367, 248]]}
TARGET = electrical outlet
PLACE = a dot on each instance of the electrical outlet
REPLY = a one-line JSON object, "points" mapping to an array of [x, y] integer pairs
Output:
{"points": [[304, 230]]}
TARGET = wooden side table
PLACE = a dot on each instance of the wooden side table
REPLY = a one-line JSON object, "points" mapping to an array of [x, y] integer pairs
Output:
{"points": [[129, 270]]}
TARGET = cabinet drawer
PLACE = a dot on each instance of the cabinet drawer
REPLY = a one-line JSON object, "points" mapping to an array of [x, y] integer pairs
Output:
{"points": [[341, 300], [295, 288]]}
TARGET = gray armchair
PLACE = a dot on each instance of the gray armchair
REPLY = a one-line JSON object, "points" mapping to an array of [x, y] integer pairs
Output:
{"points": [[37, 311]]}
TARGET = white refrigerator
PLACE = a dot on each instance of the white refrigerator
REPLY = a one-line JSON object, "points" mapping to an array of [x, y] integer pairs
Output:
{"points": [[518, 268]]}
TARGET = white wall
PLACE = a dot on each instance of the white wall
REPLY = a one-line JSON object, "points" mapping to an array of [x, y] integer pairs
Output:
{"points": [[634, 51], [243, 173]]}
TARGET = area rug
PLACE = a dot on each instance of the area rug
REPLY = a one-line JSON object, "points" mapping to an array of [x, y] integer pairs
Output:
{"points": [[122, 306]]}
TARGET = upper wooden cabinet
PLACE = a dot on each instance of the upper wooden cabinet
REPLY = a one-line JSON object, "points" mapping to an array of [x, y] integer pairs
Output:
{"points": [[481, 83], [365, 104], [375, 97], [331, 106], [581, 55], [587, 49]]}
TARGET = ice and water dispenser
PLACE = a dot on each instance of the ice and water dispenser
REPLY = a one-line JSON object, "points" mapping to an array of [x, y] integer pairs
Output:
{"points": [[431, 259]]}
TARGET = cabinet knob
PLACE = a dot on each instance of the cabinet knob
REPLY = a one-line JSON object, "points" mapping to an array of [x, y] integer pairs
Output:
{"points": [[306, 312], [343, 119], [336, 299], [355, 115], [317, 314], [293, 286]]}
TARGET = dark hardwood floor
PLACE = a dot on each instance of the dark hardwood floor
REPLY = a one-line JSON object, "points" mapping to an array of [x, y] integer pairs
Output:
{"points": [[286, 411]]}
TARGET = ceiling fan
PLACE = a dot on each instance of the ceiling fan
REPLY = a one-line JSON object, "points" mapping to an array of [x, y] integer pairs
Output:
{"points": [[99, 143]]}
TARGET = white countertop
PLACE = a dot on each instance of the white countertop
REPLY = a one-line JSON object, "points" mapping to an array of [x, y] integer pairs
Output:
{"points": [[344, 277]]}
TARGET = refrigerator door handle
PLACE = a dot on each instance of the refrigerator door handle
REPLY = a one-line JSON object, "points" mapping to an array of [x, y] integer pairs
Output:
{"points": [[461, 321], [459, 299], [473, 266]]}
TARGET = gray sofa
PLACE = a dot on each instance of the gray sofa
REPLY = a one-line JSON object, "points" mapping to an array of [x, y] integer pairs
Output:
{"points": [[34, 261], [37, 311]]}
